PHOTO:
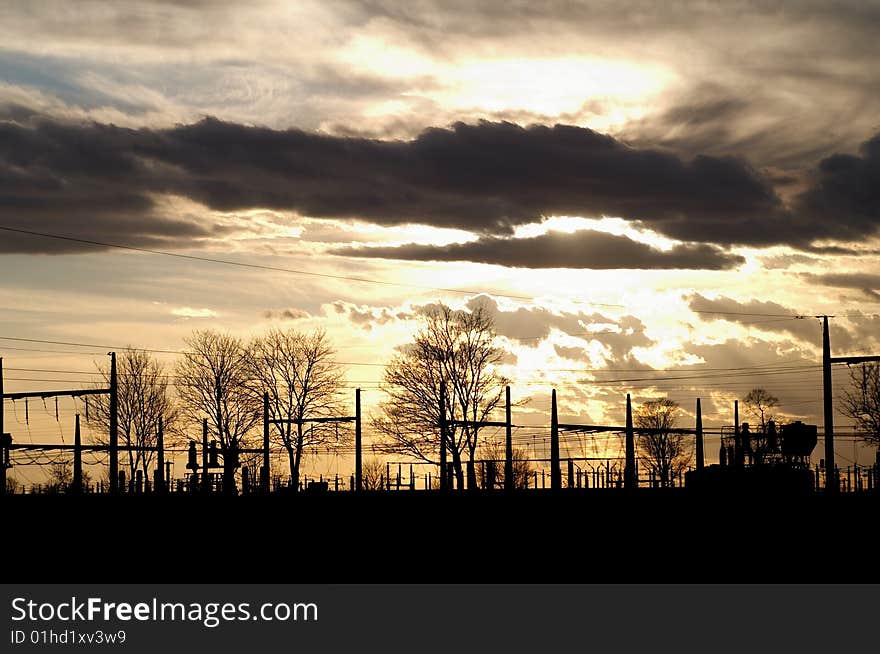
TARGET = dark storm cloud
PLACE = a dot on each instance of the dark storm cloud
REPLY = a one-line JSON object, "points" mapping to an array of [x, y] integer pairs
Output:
{"points": [[100, 181], [845, 192], [784, 82], [83, 181], [583, 249], [485, 178]]}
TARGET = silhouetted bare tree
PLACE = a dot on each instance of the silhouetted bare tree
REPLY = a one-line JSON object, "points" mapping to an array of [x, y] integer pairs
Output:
{"points": [[372, 474], [452, 346], [298, 372], [144, 397], [522, 468], [13, 486], [760, 404], [663, 451], [212, 382], [60, 476], [861, 401]]}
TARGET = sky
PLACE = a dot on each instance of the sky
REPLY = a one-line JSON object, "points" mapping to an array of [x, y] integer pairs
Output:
{"points": [[654, 198]]}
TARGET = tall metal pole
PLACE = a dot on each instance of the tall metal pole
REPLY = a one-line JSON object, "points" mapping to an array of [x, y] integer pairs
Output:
{"points": [[77, 459], [508, 444], [699, 436], [555, 470], [738, 454], [264, 481], [225, 446], [114, 426], [830, 476], [205, 454], [444, 484], [160, 458], [2, 437], [358, 445], [629, 474]]}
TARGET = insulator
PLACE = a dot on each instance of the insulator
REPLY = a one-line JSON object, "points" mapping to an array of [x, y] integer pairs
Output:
{"points": [[192, 457]]}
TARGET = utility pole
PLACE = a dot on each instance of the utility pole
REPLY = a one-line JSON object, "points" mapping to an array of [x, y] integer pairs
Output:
{"points": [[77, 460], [508, 444], [444, 482], [160, 480], [358, 452], [629, 478], [205, 483], [699, 436], [830, 478], [831, 482], [264, 482], [2, 437], [555, 470], [114, 426], [738, 454]]}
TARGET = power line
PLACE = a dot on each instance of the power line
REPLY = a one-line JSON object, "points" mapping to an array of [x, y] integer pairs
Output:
{"points": [[756, 368], [349, 278], [72, 344], [760, 369], [32, 349], [143, 349], [257, 266]]}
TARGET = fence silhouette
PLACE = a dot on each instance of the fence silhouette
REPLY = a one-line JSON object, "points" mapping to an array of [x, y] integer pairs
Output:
{"points": [[236, 470]]}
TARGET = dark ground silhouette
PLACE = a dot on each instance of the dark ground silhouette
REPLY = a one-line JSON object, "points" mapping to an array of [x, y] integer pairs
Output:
{"points": [[673, 535]]}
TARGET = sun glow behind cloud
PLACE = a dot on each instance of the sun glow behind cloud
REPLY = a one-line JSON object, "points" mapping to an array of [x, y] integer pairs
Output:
{"points": [[609, 225], [550, 86], [606, 92]]}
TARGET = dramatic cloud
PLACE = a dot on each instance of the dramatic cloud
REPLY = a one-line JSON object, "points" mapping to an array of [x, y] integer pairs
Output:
{"points": [[867, 283], [367, 317], [845, 193], [286, 314], [698, 72], [767, 316], [530, 325], [84, 181], [102, 181], [487, 177], [849, 331], [783, 261], [483, 178], [583, 249]]}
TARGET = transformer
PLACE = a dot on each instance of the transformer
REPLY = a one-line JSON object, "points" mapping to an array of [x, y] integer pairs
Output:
{"points": [[791, 445], [774, 459]]}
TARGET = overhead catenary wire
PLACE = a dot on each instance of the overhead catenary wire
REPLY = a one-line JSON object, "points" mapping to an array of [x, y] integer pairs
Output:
{"points": [[758, 370], [243, 264], [351, 278], [774, 367]]}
